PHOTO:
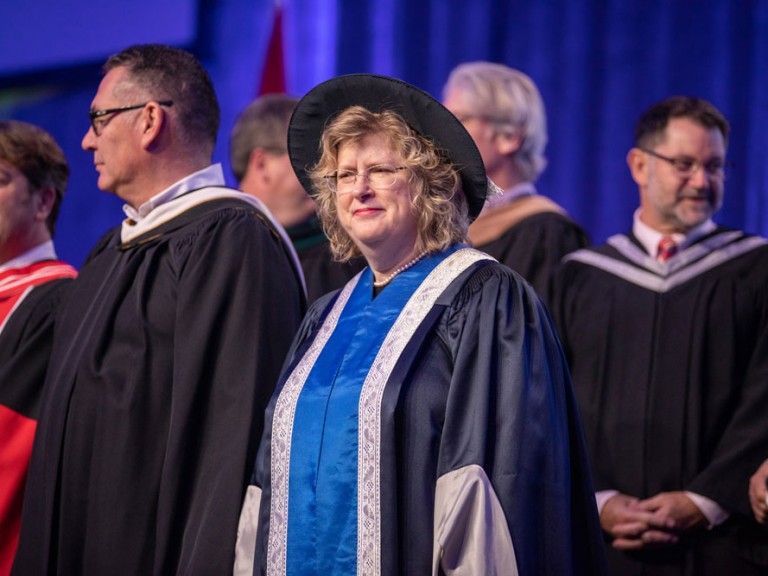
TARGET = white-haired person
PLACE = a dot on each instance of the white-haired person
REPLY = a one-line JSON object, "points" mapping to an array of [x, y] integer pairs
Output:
{"points": [[503, 111]]}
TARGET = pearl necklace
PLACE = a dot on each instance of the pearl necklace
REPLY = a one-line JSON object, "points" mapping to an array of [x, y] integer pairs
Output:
{"points": [[404, 267]]}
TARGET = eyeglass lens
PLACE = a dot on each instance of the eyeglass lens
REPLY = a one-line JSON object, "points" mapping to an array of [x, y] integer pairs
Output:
{"points": [[380, 177]]}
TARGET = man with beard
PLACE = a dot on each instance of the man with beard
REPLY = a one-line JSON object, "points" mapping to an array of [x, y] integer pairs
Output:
{"points": [[666, 333]]}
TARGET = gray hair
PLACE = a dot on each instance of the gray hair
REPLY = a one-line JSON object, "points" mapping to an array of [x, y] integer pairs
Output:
{"points": [[509, 100]]}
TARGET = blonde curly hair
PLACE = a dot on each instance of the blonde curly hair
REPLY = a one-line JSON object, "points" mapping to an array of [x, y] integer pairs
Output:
{"points": [[439, 201]]}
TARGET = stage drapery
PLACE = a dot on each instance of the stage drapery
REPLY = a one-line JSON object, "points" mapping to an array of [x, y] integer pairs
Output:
{"points": [[598, 64]]}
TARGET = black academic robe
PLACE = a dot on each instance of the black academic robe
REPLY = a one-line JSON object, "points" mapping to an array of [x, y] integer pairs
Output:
{"points": [[163, 362], [322, 273], [534, 247], [482, 383], [670, 367]]}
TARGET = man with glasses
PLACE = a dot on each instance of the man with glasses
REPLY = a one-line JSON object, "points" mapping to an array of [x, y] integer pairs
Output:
{"points": [[33, 283], [502, 109], [168, 349], [259, 158], [666, 333]]}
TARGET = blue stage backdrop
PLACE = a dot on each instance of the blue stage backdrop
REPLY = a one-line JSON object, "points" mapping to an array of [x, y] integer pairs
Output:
{"points": [[598, 64]]}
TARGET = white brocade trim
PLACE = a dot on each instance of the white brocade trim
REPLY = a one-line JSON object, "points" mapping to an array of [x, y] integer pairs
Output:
{"points": [[282, 429], [471, 532], [369, 433], [245, 546]]}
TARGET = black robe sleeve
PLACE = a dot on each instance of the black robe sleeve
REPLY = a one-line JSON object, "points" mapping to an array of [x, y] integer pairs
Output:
{"points": [[235, 318], [511, 410], [743, 443]]}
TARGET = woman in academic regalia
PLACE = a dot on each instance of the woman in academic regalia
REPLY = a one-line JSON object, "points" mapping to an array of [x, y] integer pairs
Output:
{"points": [[424, 422]]}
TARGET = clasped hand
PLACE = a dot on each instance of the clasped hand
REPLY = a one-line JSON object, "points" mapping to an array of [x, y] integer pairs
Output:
{"points": [[758, 493], [658, 521]]}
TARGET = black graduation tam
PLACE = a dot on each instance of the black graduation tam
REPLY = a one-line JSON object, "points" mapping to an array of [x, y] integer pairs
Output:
{"points": [[421, 111]]}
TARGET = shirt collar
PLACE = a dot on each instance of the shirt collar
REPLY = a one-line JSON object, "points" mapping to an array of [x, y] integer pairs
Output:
{"points": [[44, 251], [211, 176], [649, 237]]}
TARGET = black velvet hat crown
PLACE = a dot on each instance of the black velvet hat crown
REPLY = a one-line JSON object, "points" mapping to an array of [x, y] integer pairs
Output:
{"points": [[421, 111]]}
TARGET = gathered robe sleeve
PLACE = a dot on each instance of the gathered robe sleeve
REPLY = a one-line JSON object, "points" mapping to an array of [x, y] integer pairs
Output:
{"points": [[511, 414], [743, 443], [235, 318]]}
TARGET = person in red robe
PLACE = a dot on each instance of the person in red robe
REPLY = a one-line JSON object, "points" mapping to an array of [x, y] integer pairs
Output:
{"points": [[33, 178]]}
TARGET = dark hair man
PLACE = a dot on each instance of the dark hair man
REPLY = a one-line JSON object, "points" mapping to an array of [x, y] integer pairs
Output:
{"points": [[666, 333], [169, 349]]}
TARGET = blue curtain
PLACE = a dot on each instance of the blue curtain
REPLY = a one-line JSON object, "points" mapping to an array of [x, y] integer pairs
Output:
{"points": [[598, 64]]}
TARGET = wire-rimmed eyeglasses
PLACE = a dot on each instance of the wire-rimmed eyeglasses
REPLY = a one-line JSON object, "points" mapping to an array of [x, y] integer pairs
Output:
{"points": [[379, 177], [97, 116], [686, 167]]}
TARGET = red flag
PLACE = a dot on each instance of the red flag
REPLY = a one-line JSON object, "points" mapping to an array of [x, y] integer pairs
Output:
{"points": [[273, 78]]}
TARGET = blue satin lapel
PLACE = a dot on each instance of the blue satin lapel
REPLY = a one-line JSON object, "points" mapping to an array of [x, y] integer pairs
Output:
{"points": [[322, 509]]}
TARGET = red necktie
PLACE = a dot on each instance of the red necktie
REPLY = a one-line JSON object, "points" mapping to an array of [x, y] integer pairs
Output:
{"points": [[667, 249]]}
